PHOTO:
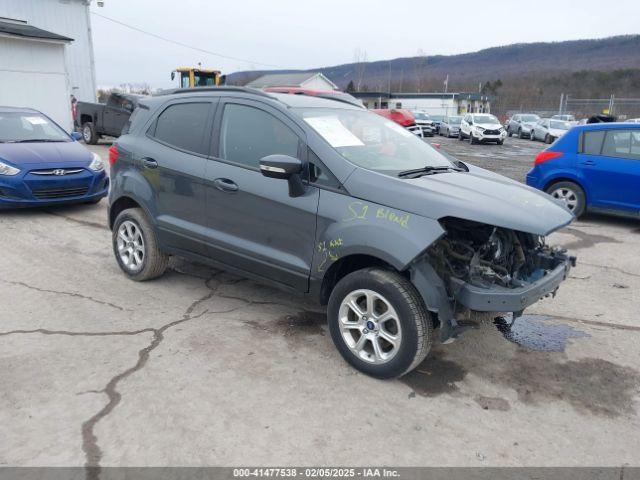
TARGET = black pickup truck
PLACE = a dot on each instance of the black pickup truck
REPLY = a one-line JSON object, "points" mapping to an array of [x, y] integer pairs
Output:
{"points": [[98, 119]]}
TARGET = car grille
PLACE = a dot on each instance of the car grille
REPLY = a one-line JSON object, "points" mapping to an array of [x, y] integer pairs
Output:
{"points": [[492, 132], [58, 171], [51, 193]]}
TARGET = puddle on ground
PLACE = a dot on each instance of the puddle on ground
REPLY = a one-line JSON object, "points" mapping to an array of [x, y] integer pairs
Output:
{"points": [[302, 323], [305, 322], [585, 239], [434, 376], [535, 332], [535, 368]]}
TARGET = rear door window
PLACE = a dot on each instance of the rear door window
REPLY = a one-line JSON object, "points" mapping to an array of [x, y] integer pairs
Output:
{"points": [[183, 126], [622, 144], [248, 134]]}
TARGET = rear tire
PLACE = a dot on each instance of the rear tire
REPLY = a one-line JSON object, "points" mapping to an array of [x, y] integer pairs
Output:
{"points": [[377, 293], [572, 194], [520, 135], [89, 133], [500, 142], [135, 246]]}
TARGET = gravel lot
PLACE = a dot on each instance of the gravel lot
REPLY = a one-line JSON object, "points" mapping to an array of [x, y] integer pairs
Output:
{"points": [[204, 368]]}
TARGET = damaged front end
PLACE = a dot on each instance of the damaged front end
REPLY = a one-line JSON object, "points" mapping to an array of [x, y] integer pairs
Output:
{"points": [[484, 268]]}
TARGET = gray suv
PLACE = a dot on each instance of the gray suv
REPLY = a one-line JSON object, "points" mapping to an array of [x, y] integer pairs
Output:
{"points": [[317, 196]]}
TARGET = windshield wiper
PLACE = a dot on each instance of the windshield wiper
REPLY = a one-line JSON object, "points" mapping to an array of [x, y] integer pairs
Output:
{"points": [[428, 170]]}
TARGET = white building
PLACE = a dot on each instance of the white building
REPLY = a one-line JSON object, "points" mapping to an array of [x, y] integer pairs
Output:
{"points": [[46, 55], [431, 103], [308, 80]]}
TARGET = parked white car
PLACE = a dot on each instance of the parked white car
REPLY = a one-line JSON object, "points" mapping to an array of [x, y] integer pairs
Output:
{"points": [[482, 127], [549, 130]]}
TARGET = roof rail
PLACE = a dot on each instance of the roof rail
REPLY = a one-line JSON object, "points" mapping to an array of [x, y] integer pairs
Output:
{"points": [[222, 88]]}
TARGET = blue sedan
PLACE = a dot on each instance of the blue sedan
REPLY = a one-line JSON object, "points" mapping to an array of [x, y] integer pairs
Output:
{"points": [[40, 164], [593, 167]]}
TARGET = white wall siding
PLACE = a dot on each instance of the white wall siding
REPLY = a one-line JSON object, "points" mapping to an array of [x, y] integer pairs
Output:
{"points": [[33, 74], [433, 106], [64, 17], [317, 83]]}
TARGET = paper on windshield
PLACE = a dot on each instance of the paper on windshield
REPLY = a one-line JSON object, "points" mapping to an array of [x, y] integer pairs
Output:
{"points": [[36, 120], [333, 131], [402, 131]]}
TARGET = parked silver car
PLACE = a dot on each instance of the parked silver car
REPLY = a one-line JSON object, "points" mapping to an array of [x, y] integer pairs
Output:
{"points": [[450, 126], [521, 124], [548, 130]]}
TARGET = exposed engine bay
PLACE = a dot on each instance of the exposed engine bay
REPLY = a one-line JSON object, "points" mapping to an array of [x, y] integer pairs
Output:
{"points": [[487, 256]]}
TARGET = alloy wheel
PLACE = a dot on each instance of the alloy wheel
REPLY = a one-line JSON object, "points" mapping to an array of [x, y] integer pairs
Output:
{"points": [[370, 326], [131, 248], [86, 134], [567, 195]]}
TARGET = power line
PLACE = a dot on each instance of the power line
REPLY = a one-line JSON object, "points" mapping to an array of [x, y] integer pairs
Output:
{"points": [[160, 37]]}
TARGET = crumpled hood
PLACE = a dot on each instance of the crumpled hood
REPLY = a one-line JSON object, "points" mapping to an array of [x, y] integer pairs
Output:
{"points": [[62, 153], [477, 195]]}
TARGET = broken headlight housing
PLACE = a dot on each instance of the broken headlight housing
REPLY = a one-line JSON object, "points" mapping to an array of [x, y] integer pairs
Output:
{"points": [[485, 255]]}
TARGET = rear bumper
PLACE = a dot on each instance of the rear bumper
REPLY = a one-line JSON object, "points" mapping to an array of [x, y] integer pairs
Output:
{"points": [[501, 299]]}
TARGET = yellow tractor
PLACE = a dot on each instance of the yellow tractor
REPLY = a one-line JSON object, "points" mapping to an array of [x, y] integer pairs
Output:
{"points": [[189, 77]]}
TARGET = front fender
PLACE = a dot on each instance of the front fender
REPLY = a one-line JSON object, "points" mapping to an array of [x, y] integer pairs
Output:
{"points": [[349, 226]]}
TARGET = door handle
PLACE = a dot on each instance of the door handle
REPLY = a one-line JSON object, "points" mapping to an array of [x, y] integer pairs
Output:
{"points": [[149, 163], [588, 162], [225, 185]]}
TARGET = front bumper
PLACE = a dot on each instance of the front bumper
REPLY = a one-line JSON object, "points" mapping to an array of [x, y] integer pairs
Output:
{"points": [[29, 190], [502, 299], [484, 137]]}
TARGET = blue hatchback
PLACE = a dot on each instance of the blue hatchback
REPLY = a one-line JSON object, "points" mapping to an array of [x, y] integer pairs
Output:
{"points": [[40, 164], [593, 167]]}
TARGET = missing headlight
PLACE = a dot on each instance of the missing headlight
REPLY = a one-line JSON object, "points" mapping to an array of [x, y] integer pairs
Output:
{"points": [[485, 255]]}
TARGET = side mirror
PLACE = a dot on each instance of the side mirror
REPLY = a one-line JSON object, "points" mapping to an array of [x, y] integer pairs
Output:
{"points": [[286, 168], [77, 136]]}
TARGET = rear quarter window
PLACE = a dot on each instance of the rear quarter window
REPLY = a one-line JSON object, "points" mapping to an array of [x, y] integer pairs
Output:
{"points": [[182, 125], [592, 142]]}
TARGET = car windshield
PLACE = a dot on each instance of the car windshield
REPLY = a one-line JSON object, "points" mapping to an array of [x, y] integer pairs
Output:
{"points": [[420, 116], [454, 120], [485, 119], [529, 118], [29, 127], [371, 141], [560, 125]]}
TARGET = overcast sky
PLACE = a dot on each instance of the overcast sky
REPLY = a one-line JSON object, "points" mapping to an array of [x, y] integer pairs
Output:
{"points": [[294, 34]]}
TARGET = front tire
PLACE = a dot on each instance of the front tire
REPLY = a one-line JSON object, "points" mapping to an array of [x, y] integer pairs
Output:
{"points": [[135, 246], [532, 136], [460, 136], [547, 139], [378, 323], [520, 134], [571, 194]]}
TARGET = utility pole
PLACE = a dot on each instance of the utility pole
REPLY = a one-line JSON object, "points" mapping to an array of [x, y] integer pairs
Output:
{"points": [[446, 84], [561, 103]]}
